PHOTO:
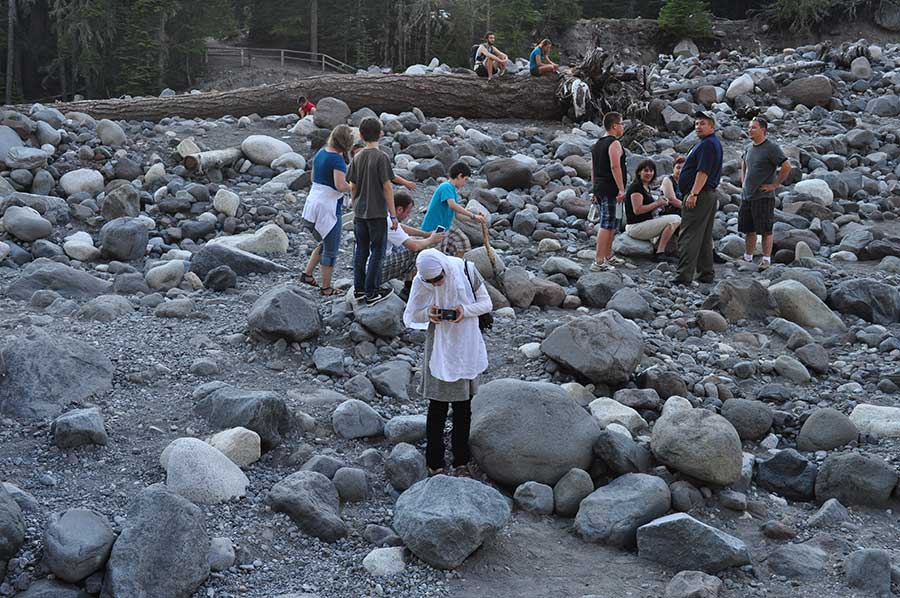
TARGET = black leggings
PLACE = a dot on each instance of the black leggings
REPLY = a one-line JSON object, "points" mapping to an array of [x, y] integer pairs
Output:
{"points": [[459, 435]]}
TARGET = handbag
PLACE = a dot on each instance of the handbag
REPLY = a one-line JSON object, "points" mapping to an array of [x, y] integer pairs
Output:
{"points": [[485, 321]]}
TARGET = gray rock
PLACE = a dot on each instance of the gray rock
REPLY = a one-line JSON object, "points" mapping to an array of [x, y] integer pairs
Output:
{"points": [[621, 454], [123, 201], [868, 299], [741, 299], [355, 419], [797, 561], [685, 496], [12, 526], [518, 287], [443, 520], [815, 357], [681, 542], [331, 112], [311, 501], [124, 239], [391, 379], [405, 466], [826, 429], [788, 474], [327, 465], [48, 588], [220, 278], [751, 419], [613, 513], [597, 288], [869, 570], [529, 431], [628, 247], [405, 428], [508, 173], [77, 543], [699, 443], [329, 361], [221, 554], [163, 550], [40, 373], [65, 280], [360, 387], [287, 311], [352, 484], [111, 133], [383, 319], [799, 305], [201, 473], [832, 513], [242, 262], [855, 479], [26, 224], [105, 308], [630, 304], [605, 348], [693, 584], [79, 427], [809, 91], [264, 412], [570, 490], [534, 497]]}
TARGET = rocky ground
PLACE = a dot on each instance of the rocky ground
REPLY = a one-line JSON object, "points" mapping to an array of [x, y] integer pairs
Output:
{"points": [[764, 406]]}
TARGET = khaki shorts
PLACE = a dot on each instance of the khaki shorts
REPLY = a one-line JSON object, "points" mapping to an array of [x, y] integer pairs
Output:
{"points": [[651, 229]]}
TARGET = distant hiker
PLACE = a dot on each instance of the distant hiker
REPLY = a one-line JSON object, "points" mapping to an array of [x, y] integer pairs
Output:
{"points": [[322, 210], [404, 244], [761, 160], [698, 182], [448, 294], [370, 176], [488, 59], [397, 180], [609, 178], [305, 107], [646, 221], [539, 62], [443, 208]]}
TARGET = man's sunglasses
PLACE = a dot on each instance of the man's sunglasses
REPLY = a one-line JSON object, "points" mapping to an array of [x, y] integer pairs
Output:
{"points": [[437, 278]]}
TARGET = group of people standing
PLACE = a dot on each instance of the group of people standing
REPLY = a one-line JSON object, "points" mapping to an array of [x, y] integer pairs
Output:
{"points": [[685, 208]]}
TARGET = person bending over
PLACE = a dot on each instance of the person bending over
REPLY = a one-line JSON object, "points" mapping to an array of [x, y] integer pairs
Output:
{"points": [[305, 107], [404, 244], [539, 62]]}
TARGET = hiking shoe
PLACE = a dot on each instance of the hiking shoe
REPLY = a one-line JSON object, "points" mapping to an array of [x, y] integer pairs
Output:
{"points": [[616, 261], [379, 296], [359, 296], [603, 266], [764, 265]]}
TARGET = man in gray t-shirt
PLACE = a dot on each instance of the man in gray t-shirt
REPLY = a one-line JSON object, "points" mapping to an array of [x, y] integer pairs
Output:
{"points": [[764, 168]]}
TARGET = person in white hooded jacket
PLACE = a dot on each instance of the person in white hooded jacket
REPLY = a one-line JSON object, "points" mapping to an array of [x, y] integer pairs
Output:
{"points": [[447, 296]]}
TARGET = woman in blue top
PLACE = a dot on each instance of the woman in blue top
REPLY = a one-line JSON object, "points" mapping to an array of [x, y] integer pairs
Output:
{"points": [[539, 62], [322, 211]]}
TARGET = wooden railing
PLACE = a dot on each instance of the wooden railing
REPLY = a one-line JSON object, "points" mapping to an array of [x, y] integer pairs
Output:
{"points": [[246, 56]]}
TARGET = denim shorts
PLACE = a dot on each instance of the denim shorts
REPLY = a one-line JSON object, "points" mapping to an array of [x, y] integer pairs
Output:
{"points": [[607, 206]]}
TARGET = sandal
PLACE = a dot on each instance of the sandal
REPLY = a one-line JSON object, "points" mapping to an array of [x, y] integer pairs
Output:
{"points": [[327, 291], [307, 279]]}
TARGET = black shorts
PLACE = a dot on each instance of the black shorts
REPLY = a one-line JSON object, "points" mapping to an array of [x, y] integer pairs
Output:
{"points": [[757, 216], [481, 70]]}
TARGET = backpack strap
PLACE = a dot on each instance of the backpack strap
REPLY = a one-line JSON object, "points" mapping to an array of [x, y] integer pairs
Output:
{"points": [[469, 278]]}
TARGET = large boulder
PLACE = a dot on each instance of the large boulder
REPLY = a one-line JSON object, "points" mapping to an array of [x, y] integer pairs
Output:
{"points": [[681, 542], [77, 544], [163, 550], [242, 262], [355, 419], [529, 431], [384, 319], [263, 150], [311, 501], [262, 411], [887, 15], [201, 473], [605, 348], [124, 239], [799, 305], [856, 479], [67, 281], [287, 311], [12, 526], [507, 173], [827, 429], [50, 588], [331, 112], [268, 240], [809, 91], [596, 288], [741, 299], [41, 373], [788, 474], [111, 133], [868, 299], [875, 420], [699, 443], [26, 224], [443, 520], [83, 180], [8, 140], [612, 514]]}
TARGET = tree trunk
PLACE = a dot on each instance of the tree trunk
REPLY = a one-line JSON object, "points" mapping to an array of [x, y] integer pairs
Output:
{"points": [[458, 95], [204, 161], [314, 27], [10, 50]]}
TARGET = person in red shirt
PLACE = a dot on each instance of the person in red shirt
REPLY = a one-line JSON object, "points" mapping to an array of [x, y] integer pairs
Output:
{"points": [[306, 107]]}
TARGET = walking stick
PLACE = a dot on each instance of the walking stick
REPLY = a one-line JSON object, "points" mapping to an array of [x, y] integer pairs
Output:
{"points": [[490, 252]]}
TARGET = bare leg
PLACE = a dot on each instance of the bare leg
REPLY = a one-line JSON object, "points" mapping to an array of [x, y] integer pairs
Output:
{"points": [[314, 258], [546, 68], [326, 276], [604, 245], [767, 242], [750, 244], [665, 237], [490, 67]]}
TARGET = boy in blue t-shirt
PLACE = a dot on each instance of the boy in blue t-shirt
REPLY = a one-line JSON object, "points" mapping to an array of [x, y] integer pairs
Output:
{"points": [[444, 207]]}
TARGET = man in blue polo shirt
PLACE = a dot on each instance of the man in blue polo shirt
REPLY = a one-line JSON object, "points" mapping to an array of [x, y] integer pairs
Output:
{"points": [[697, 182]]}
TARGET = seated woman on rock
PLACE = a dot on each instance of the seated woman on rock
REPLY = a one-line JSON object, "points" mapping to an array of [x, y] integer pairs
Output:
{"points": [[643, 214], [539, 62], [669, 188]]}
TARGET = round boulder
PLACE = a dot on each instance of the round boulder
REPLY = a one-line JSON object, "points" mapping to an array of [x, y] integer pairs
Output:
{"points": [[826, 429], [331, 112], [751, 419], [262, 149], [124, 239], [77, 543], [699, 443]]}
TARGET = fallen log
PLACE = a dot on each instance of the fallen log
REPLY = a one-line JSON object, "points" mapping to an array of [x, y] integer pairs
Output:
{"points": [[215, 159], [437, 95]]}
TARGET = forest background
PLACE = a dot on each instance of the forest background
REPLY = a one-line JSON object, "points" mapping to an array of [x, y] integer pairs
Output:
{"points": [[108, 48]]}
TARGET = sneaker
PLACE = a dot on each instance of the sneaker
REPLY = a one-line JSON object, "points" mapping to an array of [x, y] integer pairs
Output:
{"points": [[764, 265], [706, 279], [379, 296], [603, 266], [359, 296], [616, 261]]}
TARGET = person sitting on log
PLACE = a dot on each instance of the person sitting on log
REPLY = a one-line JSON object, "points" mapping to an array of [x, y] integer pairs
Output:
{"points": [[397, 180], [444, 207], [539, 62], [489, 61], [644, 215], [306, 107]]}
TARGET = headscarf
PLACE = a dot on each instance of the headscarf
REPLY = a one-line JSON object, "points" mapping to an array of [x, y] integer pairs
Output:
{"points": [[455, 290]]}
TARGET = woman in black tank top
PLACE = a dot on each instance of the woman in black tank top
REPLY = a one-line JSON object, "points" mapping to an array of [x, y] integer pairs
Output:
{"points": [[645, 220]]}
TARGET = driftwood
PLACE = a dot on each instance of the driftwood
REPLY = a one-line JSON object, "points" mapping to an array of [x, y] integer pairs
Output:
{"points": [[215, 159], [600, 84]]}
